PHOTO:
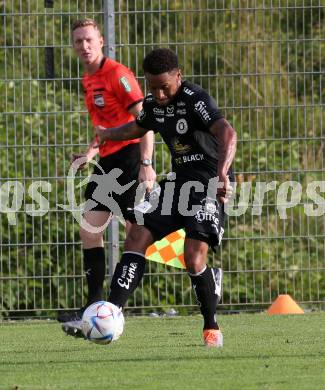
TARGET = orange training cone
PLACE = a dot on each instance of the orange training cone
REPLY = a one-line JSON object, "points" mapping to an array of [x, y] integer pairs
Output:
{"points": [[284, 304]]}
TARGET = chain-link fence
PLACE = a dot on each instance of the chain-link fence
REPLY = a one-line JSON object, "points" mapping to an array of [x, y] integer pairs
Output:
{"points": [[263, 61]]}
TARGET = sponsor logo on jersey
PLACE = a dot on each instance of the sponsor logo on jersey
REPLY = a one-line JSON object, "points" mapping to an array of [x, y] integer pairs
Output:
{"points": [[141, 115], [179, 148], [125, 83], [181, 126], [209, 212], [188, 91], [181, 104], [158, 111], [181, 111], [160, 120], [193, 157], [201, 108], [209, 205], [149, 98], [170, 111], [190, 158], [210, 208], [99, 100]]}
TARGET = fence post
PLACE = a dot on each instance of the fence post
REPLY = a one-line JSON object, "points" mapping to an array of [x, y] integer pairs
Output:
{"points": [[109, 29], [113, 246], [109, 51]]}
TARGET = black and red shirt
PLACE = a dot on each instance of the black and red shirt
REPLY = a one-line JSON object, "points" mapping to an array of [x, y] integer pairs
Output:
{"points": [[109, 93]]}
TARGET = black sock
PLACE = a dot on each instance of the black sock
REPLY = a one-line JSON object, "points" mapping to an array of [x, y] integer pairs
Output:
{"points": [[204, 288], [94, 263], [127, 276]]}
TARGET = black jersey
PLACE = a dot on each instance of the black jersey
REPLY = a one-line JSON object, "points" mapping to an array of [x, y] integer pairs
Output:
{"points": [[184, 126]]}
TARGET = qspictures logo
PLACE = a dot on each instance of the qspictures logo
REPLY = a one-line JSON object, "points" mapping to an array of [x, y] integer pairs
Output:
{"points": [[248, 197]]}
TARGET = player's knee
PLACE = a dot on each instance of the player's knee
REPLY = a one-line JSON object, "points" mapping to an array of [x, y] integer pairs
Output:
{"points": [[195, 255], [194, 260], [138, 239], [195, 263], [133, 238]]}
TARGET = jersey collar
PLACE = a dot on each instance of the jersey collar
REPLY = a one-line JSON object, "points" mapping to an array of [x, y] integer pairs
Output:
{"points": [[102, 62]]}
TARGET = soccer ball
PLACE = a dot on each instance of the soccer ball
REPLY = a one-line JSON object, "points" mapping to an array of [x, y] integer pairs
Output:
{"points": [[102, 322]]}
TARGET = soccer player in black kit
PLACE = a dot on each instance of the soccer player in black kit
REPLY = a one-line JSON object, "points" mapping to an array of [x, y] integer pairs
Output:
{"points": [[202, 144]]}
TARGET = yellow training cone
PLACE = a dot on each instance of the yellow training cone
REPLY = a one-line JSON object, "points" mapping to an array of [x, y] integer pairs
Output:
{"points": [[284, 304]]}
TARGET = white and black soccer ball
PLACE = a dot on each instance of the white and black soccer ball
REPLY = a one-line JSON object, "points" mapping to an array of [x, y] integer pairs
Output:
{"points": [[102, 322]]}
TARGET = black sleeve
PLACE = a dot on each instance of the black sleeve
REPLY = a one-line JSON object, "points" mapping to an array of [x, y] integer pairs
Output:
{"points": [[205, 108], [145, 118]]}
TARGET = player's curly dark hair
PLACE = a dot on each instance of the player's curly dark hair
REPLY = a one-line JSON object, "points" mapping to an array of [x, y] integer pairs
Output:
{"points": [[160, 61]]}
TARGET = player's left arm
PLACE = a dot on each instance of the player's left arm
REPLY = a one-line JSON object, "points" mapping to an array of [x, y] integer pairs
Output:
{"points": [[147, 174], [227, 140]]}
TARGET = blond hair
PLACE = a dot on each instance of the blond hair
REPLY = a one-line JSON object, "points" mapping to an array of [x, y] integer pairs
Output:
{"points": [[84, 23]]}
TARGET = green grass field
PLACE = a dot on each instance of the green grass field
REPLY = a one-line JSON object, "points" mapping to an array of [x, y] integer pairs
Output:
{"points": [[260, 352]]}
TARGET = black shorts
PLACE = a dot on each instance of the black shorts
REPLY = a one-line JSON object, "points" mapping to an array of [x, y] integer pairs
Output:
{"points": [[206, 222], [112, 197]]}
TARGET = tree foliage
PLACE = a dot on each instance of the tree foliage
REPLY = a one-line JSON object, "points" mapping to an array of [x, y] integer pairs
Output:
{"points": [[263, 64]]}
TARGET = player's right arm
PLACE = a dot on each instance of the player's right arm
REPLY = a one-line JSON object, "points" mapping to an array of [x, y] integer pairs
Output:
{"points": [[130, 130], [80, 160]]}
